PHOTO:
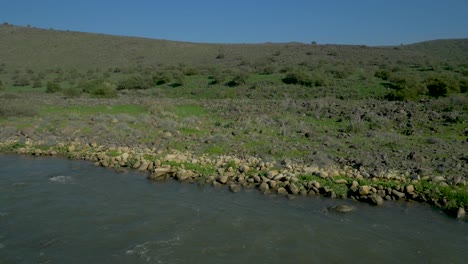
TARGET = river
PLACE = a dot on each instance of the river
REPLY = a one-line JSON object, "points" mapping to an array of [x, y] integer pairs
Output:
{"points": [[54, 210]]}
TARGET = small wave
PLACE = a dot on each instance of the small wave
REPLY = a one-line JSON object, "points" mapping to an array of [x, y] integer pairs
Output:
{"points": [[61, 179]]}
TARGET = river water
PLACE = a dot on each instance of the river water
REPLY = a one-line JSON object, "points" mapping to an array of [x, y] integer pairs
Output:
{"points": [[54, 210]]}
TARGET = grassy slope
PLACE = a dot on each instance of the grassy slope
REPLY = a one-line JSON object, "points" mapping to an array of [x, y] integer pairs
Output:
{"points": [[23, 47]]}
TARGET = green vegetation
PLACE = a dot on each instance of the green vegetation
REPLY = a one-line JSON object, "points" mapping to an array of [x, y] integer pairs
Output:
{"points": [[377, 108]]}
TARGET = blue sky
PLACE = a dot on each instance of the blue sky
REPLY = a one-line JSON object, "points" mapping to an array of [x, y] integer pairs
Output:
{"points": [[369, 22]]}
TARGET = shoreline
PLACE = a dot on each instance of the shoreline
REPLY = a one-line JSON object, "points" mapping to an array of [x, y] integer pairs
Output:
{"points": [[278, 177]]}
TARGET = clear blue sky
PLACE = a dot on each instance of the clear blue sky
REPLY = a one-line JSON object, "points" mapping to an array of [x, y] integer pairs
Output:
{"points": [[370, 22]]}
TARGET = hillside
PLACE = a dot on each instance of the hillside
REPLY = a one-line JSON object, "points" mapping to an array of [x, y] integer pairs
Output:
{"points": [[26, 47]]}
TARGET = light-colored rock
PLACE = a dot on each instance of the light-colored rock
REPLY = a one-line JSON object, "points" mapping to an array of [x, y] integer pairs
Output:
{"points": [[272, 184], [235, 188], [244, 169], [282, 191], [223, 179], [264, 187], [183, 175], [323, 174], [341, 181], [364, 190], [409, 188], [461, 213], [377, 200], [354, 185], [272, 174], [341, 208], [293, 188], [398, 194], [438, 179]]}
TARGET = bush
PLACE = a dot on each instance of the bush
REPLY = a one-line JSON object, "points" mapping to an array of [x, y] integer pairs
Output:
{"points": [[96, 88], [53, 87], [20, 80], [37, 83], [104, 90], [161, 78], [440, 86], [217, 77], [13, 109], [382, 74], [134, 82], [179, 79], [463, 85], [72, 92], [300, 78], [405, 87], [239, 79], [1, 85]]}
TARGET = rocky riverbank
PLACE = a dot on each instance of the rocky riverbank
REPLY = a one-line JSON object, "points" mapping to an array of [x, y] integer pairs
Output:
{"points": [[270, 177]]}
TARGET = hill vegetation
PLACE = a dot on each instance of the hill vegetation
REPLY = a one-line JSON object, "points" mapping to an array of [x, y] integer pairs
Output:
{"points": [[380, 112]]}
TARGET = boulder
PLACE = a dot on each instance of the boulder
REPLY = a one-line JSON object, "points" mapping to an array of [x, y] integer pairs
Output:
{"points": [[293, 188], [409, 188], [398, 194], [282, 191], [364, 190], [341, 208], [461, 214], [377, 200], [272, 184], [235, 188], [161, 173], [244, 169], [264, 187], [223, 179], [438, 179], [341, 181], [183, 175]]}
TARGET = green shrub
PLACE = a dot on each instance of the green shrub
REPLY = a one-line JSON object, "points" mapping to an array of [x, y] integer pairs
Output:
{"points": [[53, 87], [72, 92], [440, 86], [239, 79], [161, 77], [298, 77], [134, 82], [382, 74], [37, 83], [405, 87], [178, 79], [104, 90], [217, 77], [21, 80], [14, 109], [463, 85], [1, 85]]}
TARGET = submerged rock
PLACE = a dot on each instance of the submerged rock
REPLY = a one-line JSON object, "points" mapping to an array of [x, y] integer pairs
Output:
{"points": [[341, 208], [235, 188]]}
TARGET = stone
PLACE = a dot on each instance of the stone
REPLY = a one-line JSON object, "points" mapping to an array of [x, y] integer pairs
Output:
{"points": [[272, 184], [398, 194], [279, 177], [438, 179], [235, 188], [125, 156], [341, 181], [162, 173], [323, 174], [272, 174], [364, 190], [461, 213], [183, 175], [244, 169], [377, 200], [409, 188], [341, 208], [257, 179], [293, 189], [282, 191], [71, 148], [354, 185], [223, 179], [27, 131], [264, 187]]}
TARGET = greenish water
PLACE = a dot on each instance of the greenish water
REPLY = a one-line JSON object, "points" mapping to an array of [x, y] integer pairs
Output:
{"points": [[59, 211]]}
